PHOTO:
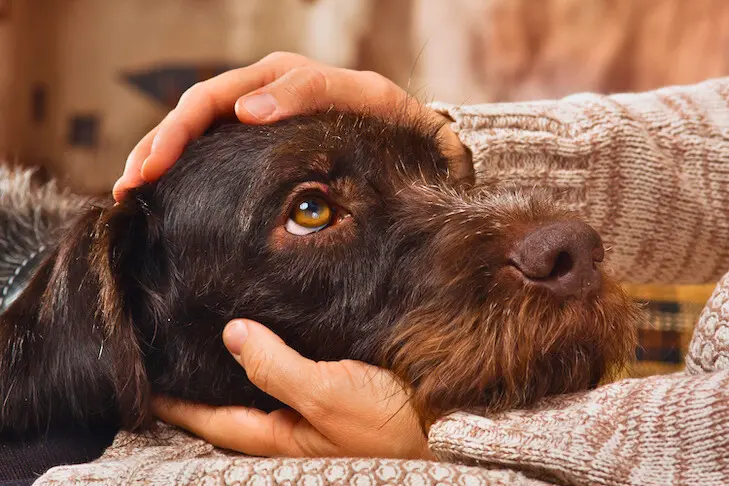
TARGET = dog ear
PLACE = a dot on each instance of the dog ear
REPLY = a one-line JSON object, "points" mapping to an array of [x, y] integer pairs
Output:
{"points": [[69, 349]]}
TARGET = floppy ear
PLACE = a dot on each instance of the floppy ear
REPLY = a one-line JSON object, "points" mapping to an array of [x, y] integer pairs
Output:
{"points": [[69, 350]]}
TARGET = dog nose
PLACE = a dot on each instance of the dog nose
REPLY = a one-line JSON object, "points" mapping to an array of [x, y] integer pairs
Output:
{"points": [[561, 257]]}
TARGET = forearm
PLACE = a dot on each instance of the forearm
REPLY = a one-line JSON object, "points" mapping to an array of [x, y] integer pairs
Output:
{"points": [[650, 171], [670, 429]]}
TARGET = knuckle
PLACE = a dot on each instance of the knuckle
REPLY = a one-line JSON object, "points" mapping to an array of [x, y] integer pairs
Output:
{"points": [[194, 91], [258, 369], [372, 76], [381, 87], [280, 437], [280, 56], [311, 81], [376, 80]]}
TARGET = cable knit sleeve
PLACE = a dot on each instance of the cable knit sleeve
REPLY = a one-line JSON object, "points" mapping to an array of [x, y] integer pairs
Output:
{"points": [[650, 171]]}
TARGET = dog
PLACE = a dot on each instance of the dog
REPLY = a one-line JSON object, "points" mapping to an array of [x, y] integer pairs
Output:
{"points": [[347, 235]]}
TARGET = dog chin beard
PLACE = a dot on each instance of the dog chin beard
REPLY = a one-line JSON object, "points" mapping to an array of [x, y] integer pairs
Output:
{"points": [[510, 355]]}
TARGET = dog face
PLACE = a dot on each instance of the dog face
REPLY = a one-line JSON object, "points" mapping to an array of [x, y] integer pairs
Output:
{"points": [[348, 237]]}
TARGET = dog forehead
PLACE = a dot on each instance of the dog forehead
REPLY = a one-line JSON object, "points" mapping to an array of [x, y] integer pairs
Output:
{"points": [[339, 145], [240, 165]]}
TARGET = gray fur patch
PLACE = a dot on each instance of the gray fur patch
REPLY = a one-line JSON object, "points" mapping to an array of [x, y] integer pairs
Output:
{"points": [[30, 214]]}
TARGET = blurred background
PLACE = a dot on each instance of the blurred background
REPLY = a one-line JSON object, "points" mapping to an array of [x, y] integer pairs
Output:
{"points": [[81, 81]]}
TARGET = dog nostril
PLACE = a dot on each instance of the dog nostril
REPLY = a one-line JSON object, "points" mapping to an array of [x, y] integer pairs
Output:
{"points": [[562, 265], [562, 258]]}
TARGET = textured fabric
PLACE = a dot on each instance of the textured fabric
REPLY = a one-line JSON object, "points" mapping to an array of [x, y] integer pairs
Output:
{"points": [[709, 349], [670, 429], [663, 340], [651, 172], [177, 458]]}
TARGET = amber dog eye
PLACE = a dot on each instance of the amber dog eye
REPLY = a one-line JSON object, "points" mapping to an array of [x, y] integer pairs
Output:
{"points": [[309, 214]]}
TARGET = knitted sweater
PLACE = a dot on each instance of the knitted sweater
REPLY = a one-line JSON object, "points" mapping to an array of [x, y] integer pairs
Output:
{"points": [[651, 172]]}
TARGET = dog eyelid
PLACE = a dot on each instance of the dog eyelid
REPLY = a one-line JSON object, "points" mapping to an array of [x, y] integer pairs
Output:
{"points": [[298, 230]]}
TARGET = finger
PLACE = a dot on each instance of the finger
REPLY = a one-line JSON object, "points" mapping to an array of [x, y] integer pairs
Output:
{"points": [[272, 366], [242, 429], [250, 431], [207, 101], [132, 176], [311, 88]]}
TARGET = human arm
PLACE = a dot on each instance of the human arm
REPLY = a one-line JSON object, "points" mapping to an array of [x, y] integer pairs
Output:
{"points": [[671, 429]]}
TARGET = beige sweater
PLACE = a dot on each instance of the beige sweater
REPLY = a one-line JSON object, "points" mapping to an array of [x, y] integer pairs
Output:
{"points": [[651, 172]]}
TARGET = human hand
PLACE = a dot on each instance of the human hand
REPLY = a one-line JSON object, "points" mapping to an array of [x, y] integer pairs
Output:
{"points": [[340, 408], [278, 86]]}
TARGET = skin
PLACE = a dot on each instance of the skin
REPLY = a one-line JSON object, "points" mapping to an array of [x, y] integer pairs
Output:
{"points": [[332, 402]]}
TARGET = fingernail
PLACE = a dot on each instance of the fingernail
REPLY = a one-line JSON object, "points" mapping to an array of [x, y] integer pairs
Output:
{"points": [[261, 105], [120, 189], [234, 336], [117, 188]]}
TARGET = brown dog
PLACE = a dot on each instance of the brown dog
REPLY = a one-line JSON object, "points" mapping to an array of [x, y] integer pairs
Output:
{"points": [[344, 234]]}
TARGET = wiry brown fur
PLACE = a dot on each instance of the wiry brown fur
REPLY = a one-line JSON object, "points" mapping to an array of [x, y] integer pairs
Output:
{"points": [[509, 345], [133, 298]]}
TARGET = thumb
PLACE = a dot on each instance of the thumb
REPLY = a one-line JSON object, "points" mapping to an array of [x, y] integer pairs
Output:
{"points": [[271, 365], [312, 88], [301, 90]]}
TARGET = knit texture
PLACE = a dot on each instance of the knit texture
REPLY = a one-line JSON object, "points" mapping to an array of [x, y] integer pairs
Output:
{"points": [[709, 348], [671, 429], [651, 173], [177, 458]]}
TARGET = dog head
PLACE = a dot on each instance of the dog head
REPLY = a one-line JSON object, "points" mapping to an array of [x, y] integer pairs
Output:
{"points": [[349, 238]]}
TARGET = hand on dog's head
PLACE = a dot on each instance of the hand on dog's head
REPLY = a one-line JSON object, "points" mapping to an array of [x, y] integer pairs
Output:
{"points": [[347, 237]]}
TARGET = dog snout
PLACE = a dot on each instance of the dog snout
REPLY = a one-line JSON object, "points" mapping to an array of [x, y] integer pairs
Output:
{"points": [[562, 258]]}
